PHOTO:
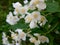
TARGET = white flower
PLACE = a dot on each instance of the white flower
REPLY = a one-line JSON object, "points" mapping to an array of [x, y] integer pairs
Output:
{"points": [[21, 34], [34, 2], [19, 9], [28, 18], [12, 19], [25, 1], [31, 7], [17, 5], [19, 30], [36, 34], [23, 10], [33, 18], [40, 4], [42, 21], [43, 39], [37, 42], [14, 36], [36, 15], [33, 24], [4, 39], [33, 40]]}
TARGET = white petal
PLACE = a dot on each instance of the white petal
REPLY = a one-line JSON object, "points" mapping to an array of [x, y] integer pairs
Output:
{"points": [[25, 1], [37, 42], [24, 38], [47, 40], [36, 34], [41, 6], [28, 18], [33, 24], [36, 15], [16, 5], [18, 30], [15, 12]]}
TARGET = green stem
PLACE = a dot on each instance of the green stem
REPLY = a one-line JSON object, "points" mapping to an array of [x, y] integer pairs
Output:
{"points": [[51, 29], [48, 14]]}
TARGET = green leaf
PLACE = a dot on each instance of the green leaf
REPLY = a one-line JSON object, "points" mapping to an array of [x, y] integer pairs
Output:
{"points": [[21, 24], [52, 6]]}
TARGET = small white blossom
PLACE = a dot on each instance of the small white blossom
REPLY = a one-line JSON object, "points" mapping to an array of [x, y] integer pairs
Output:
{"points": [[36, 15], [19, 9], [17, 5], [33, 40], [5, 39], [28, 18], [40, 4], [43, 39], [42, 21], [33, 18], [33, 24], [12, 19], [14, 36], [36, 34], [31, 7], [21, 34], [23, 10], [25, 1]]}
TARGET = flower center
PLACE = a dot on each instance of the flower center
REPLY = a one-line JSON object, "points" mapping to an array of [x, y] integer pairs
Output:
{"points": [[36, 2], [35, 15], [16, 10], [23, 10], [22, 35], [29, 18], [42, 18]]}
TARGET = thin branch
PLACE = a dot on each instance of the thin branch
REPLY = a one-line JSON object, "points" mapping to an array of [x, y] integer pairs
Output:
{"points": [[51, 29]]}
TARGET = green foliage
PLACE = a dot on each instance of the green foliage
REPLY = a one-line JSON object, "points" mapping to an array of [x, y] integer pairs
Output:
{"points": [[52, 6]]}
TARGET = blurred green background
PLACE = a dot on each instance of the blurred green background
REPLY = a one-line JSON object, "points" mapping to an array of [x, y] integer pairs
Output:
{"points": [[6, 6]]}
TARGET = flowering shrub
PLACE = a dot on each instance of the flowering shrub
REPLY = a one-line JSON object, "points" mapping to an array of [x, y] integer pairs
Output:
{"points": [[30, 23]]}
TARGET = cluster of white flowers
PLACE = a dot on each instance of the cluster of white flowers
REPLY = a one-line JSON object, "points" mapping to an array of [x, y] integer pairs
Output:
{"points": [[41, 39], [40, 4], [16, 37], [32, 18], [12, 19], [20, 35]]}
